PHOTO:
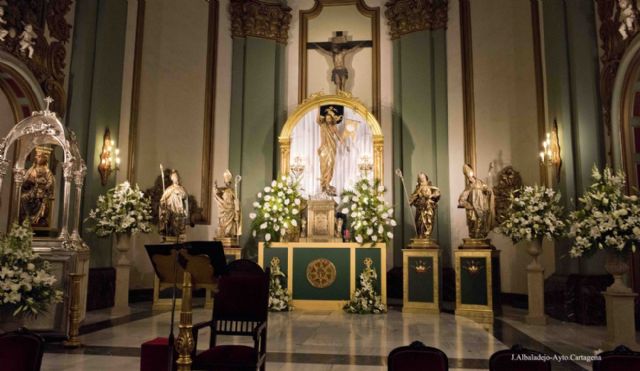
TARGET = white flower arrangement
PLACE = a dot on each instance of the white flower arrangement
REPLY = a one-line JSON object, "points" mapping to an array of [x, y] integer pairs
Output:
{"points": [[26, 282], [534, 213], [122, 210], [370, 216], [277, 210], [279, 297], [609, 219], [365, 300]]}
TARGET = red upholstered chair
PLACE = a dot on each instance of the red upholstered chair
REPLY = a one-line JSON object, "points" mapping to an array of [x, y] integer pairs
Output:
{"points": [[240, 309], [619, 359], [519, 359], [417, 357], [154, 355], [21, 350]]}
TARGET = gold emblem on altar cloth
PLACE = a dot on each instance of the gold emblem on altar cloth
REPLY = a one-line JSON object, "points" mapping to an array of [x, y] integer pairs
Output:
{"points": [[321, 273]]}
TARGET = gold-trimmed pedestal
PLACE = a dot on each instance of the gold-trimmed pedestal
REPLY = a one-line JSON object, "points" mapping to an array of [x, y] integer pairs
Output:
{"points": [[477, 283], [421, 280], [423, 243], [476, 244], [229, 241]]}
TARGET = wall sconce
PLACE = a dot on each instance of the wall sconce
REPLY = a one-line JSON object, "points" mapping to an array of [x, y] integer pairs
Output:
{"points": [[550, 154], [109, 157]]}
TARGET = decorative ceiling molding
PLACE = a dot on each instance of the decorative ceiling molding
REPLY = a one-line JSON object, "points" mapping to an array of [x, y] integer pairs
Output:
{"points": [[617, 28], [47, 63], [259, 19], [407, 16]]}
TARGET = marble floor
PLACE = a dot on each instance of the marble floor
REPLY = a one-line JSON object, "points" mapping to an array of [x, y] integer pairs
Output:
{"points": [[333, 340]]}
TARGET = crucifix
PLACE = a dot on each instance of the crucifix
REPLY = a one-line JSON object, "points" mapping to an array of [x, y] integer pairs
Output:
{"points": [[338, 47], [48, 101]]}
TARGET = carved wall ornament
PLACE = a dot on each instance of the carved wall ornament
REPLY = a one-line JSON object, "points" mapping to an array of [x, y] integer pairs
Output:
{"points": [[259, 19], [407, 16], [321, 273], [36, 32], [508, 181], [618, 26]]}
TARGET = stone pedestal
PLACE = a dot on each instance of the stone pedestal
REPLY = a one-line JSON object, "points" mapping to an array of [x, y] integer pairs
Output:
{"points": [[123, 266], [535, 286], [621, 329]]}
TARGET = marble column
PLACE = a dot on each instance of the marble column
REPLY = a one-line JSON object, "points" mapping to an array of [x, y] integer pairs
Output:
{"points": [[257, 95]]}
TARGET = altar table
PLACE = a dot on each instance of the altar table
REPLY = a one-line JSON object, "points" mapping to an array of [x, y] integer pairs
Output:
{"points": [[324, 275]]}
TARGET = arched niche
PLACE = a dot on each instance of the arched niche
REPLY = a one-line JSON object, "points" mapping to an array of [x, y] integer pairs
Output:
{"points": [[307, 112], [625, 114]]}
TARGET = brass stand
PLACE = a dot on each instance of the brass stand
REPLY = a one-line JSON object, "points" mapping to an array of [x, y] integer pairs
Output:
{"points": [[74, 311], [184, 342]]}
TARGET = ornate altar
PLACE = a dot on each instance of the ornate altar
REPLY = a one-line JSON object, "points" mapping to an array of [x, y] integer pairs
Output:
{"points": [[328, 143], [34, 189], [324, 274]]}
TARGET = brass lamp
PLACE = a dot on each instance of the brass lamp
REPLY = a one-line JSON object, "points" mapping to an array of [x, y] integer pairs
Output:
{"points": [[109, 157]]}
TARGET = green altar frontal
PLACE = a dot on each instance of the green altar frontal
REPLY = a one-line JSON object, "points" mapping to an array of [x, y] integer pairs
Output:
{"points": [[421, 280], [477, 283], [324, 275]]}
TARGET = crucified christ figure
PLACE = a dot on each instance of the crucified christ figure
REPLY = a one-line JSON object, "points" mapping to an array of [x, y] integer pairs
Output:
{"points": [[338, 50]]}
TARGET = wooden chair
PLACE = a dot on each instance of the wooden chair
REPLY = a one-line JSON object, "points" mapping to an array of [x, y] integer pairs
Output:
{"points": [[417, 357], [240, 309], [619, 359], [21, 350], [519, 359]]}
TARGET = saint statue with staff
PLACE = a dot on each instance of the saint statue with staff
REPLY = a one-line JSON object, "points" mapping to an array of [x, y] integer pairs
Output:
{"points": [[425, 199], [174, 208], [478, 201], [229, 215]]}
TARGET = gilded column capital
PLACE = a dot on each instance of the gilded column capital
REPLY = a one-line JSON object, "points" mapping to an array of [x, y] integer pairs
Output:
{"points": [[407, 16], [260, 19]]}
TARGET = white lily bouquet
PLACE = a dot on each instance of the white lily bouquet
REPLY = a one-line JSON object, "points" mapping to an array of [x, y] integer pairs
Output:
{"points": [[124, 209], [26, 282], [370, 216], [277, 210], [608, 219], [365, 299], [534, 213], [279, 298]]}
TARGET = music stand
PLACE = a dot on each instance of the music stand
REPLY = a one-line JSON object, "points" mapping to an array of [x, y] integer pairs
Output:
{"points": [[194, 265], [163, 261]]}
